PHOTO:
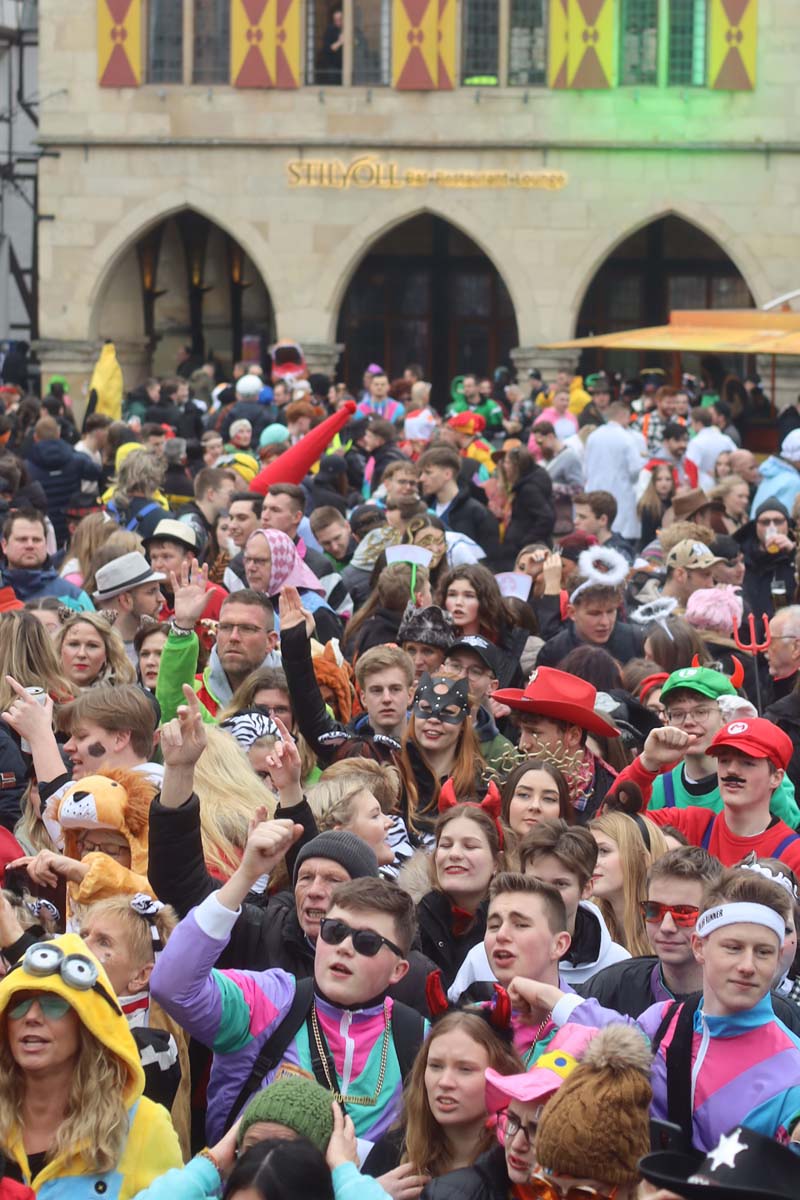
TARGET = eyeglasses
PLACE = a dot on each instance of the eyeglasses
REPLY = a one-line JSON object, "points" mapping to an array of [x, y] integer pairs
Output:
{"points": [[684, 915], [87, 846], [701, 713], [245, 630], [250, 561], [543, 1187], [474, 671], [365, 941], [509, 1125], [52, 1006], [777, 521]]}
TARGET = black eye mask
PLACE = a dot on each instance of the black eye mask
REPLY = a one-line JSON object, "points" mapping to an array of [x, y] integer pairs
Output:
{"points": [[430, 703]]}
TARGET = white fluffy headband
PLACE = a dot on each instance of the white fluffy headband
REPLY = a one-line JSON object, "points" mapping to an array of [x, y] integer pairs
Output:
{"points": [[600, 566], [742, 913], [656, 612]]}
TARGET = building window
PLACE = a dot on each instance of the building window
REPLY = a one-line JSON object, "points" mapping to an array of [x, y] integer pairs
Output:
{"points": [[527, 43], [165, 41], [687, 43], [372, 42], [212, 38], [481, 42], [639, 43], [324, 42]]}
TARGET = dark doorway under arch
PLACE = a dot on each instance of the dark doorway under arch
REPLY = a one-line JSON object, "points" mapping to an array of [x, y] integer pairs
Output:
{"points": [[426, 293], [187, 282], [665, 265]]}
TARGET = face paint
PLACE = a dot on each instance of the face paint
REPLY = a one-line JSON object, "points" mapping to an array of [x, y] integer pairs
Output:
{"points": [[431, 703], [97, 750]]}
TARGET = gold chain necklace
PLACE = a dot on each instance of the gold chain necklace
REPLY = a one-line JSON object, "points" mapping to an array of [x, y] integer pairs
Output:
{"points": [[362, 1101], [531, 1049]]}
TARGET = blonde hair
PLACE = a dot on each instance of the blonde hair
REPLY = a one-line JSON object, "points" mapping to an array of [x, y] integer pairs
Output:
{"points": [[96, 1118], [635, 861], [118, 667], [358, 773], [90, 534], [229, 792], [681, 531], [136, 926], [30, 830], [141, 474], [28, 654]]}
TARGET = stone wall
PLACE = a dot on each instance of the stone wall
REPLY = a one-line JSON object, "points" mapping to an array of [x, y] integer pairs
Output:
{"points": [[726, 162]]}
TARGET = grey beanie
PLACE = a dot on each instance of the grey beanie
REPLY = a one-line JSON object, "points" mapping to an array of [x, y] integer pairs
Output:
{"points": [[431, 626], [349, 851]]}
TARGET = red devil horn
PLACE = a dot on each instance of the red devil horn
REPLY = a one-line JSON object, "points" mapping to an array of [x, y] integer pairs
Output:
{"points": [[435, 994], [737, 675], [501, 1008], [492, 802], [447, 796], [696, 661]]}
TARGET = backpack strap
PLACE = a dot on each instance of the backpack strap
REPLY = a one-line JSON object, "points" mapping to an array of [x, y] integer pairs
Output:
{"points": [[784, 845], [143, 512], [666, 1021], [669, 790], [275, 1046], [709, 829]]}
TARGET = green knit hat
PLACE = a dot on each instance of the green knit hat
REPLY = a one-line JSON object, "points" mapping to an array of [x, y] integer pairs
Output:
{"points": [[300, 1104]]}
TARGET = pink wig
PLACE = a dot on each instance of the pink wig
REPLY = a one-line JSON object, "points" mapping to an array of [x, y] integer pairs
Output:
{"points": [[715, 609]]}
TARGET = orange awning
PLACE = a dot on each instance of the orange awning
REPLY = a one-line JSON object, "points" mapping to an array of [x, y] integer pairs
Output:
{"points": [[720, 331]]}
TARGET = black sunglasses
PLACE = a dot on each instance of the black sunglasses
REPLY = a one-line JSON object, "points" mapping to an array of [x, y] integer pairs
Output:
{"points": [[365, 941]]}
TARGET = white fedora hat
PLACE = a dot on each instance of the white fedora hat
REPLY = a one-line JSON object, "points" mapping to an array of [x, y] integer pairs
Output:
{"points": [[126, 572]]}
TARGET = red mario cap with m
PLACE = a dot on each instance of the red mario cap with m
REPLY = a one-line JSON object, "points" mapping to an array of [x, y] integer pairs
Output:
{"points": [[757, 738]]}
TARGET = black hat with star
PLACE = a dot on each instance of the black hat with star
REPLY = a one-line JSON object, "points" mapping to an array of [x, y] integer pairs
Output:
{"points": [[742, 1164]]}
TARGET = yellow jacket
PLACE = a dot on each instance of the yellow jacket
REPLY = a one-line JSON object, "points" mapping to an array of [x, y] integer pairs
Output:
{"points": [[151, 1146], [107, 382]]}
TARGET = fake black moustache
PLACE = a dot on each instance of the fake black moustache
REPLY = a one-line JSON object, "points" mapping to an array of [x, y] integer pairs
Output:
{"points": [[733, 779]]}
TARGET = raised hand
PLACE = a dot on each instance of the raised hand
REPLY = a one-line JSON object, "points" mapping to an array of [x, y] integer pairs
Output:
{"points": [[183, 739], [47, 867], [531, 999], [26, 717], [664, 747], [292, 613], [266, 846], [189, 587], [283, 761], [551, 573]]}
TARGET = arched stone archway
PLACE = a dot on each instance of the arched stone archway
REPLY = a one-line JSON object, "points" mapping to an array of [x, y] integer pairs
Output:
{"points": [[426, 292], [662, 264], [184, 279]]}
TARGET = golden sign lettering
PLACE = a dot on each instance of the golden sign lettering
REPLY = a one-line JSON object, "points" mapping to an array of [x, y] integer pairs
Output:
{"points": [[367, 171]]}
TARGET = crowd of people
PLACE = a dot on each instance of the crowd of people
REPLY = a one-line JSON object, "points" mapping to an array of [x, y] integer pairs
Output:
{"points": [[397, 792]]}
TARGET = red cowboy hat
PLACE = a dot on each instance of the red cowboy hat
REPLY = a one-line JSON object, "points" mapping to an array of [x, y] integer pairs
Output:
{"points": [[468, 422], [559, 695]]}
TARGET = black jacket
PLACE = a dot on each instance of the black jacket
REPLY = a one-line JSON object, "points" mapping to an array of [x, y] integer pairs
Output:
{"points": [[437, 939], [377, 630], [626, 987], [785, 714], [762, 569], [469, 516], [625, 643], [487, 1179], [259, 416], [532, 515], [60, 470], [268, 933], [383, 455], [14, 772], [324, 735]]}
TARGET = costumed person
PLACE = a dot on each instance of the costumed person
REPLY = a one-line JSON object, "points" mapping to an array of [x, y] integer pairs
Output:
{"points": [[107, 384], [73, 1120], [104, 822]]}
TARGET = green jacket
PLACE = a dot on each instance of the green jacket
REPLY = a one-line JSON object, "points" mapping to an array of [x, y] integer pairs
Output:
{"points": [[489, 409]]}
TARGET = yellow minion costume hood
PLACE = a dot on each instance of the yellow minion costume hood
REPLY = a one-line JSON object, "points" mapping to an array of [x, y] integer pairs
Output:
{"points": [[66, 967], [112, 799]]}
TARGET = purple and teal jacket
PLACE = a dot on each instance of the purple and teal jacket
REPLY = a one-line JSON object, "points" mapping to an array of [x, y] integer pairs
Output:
{"points": [[234, 1012], [745, 1068]]}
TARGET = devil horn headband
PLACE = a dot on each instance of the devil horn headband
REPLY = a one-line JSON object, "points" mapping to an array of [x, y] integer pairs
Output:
{"points": [[491, 804]]}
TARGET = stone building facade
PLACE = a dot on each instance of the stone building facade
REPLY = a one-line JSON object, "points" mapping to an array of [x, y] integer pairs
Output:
{"points": [[298, 185]]}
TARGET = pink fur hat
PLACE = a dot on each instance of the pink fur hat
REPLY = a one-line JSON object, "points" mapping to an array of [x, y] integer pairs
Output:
{"points": [[715, 609]]}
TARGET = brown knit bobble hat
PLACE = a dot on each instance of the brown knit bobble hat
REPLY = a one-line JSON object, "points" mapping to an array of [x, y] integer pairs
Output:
{"points": [[597, 1125]]}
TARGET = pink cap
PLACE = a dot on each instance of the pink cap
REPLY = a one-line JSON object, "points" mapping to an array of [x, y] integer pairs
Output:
{"points": [[545, 1076]]}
